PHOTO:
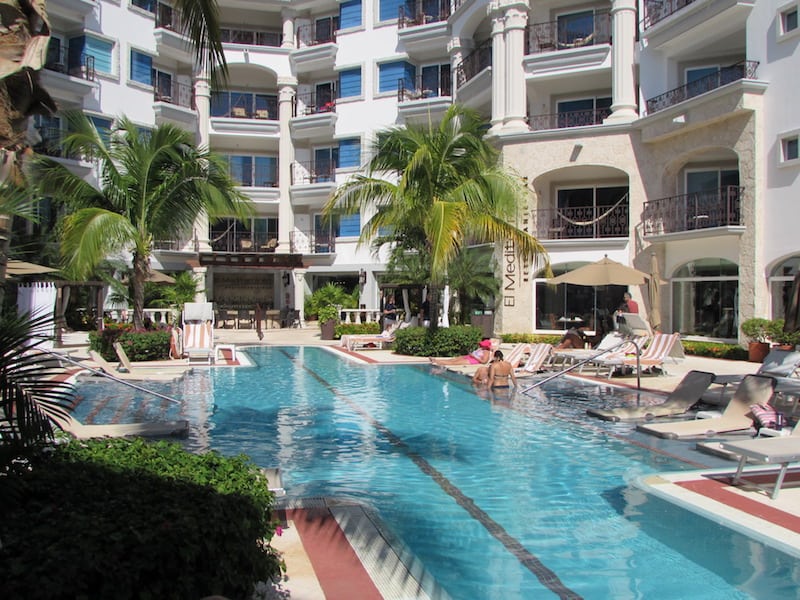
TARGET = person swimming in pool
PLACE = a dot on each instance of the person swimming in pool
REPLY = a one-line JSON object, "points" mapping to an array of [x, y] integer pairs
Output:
{"points": [[479, 356]]}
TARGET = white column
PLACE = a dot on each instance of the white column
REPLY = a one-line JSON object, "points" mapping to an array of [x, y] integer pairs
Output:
{"points": [[202, 102], [288, 28], [300, 293], [200, 277], [623, 27], [498, 66], [286, 93], [516, 19]]}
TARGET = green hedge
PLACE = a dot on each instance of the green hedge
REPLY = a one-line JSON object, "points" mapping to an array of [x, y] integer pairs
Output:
{"points": [[123, 519], [443, 341], [138, 345], [715, 350], [356, 328], [531, 338]]}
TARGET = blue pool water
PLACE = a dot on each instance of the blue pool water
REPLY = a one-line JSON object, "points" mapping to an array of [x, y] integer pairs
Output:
{"points": [[500, 498]]}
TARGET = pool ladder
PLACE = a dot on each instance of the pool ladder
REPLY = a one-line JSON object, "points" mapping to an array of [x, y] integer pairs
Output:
{"points": [[584, 361]]}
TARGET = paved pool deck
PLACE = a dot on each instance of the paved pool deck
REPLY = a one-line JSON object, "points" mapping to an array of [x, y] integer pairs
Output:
{"points": [[326, 545]]}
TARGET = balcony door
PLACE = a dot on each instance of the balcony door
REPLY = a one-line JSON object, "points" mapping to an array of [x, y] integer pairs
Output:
{"points": [[436, 80], [708, 203], [592, 212]]}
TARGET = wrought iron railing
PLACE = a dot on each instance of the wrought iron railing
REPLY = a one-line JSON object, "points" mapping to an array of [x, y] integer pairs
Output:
{"points": [[742, 70], [243, 241], [320, 32], [422, 12], [312, 103], [581, 222], [59, 60], [50, 142], [420, 90], [245, 106], [688, 212], [179, 94], [658, 10], [558, 35], [307, 173], [312, 242], [475, 62], [575, 118], [251, 37]]}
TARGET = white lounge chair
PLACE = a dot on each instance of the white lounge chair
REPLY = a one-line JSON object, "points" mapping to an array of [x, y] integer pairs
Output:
{"points": [[754, 389], [538, 355], [685, 395], [660, 348], [132, 373]]}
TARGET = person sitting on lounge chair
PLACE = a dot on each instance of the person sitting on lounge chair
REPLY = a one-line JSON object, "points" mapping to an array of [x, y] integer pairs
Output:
{"points": [[574, 338], [480, 356]]}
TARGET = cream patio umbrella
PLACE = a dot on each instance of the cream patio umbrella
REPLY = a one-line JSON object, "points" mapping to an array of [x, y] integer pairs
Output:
{"points": [[654, 291], [603, 272], [16, 268]]}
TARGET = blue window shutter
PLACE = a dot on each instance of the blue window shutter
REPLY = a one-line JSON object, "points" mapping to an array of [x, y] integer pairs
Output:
{"points": [[390, 73], [350, 225], [350, 153], [101, 51], [103, 127], [141, 68], [350, 83], [350, 14]]}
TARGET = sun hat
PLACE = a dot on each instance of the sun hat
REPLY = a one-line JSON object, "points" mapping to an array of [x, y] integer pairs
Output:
{"points": [[485, 344]]}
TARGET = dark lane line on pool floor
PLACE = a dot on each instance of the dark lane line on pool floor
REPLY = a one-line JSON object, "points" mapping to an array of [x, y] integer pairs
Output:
{"points": [[545, 576]]}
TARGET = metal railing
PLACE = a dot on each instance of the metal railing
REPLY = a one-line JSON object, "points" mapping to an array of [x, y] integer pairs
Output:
{"points": [[168, 17], [557, 35], [248, 106], [575, 118], [312, 242], [247, 242], [313, 103], [307, 173], [422, 12], [688, 212], [179, 94], [420, 91], [61, 62], [251, 37], [475, 62], [658, 10], [741, 70], [581, 222], [314, 34]]}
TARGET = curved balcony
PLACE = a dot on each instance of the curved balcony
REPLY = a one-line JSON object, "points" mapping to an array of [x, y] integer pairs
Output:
{"points": [[692, 212]]}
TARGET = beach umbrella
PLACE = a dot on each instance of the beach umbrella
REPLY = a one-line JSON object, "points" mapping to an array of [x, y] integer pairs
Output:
{"points": [[602, 272], [792, 318], [20, 267], [654, 291]]}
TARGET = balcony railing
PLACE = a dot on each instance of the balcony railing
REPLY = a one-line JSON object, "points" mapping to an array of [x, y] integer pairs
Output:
{"points": [[688, 212], [576, 118], [314, 34], [558, 35], [581, 222], [50, 143], [312, 242], [420, 90], [307, 173], [658, 10], [245, 106], [475, 62], [313, 103], [422, 12], [168, 18], [251, 37], [60, 61], [742, 70], [175, 245], [243, 242], [179, 94]]}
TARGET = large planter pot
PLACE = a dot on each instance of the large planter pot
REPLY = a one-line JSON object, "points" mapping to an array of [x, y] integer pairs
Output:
{"points": [[328, 329], [757, 351]]}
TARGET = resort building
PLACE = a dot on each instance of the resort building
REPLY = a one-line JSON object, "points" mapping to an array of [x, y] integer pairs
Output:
{"points": [[658, 133]]}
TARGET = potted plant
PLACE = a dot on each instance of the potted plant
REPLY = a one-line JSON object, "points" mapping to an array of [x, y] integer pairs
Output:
{"points": [[757, 330], [786, 340], [328, 316]]}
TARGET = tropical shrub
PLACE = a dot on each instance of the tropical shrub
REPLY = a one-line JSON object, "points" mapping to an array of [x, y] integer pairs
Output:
{"points": [[132, 519], [714, 350], [138, 345], [329, 295], [530, 338], [443, 341], [357, 328]]}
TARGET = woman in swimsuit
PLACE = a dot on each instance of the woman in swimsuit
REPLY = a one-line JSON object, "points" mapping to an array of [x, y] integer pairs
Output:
{"points": [[500, 371], [480, 356]]}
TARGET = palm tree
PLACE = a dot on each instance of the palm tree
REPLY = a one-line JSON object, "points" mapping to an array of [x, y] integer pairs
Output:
{"points": [[154, 184], [450, 190], [471, 275]]}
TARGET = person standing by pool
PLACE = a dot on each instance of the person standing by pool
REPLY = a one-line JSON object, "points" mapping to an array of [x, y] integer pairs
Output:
{"points": [[629, 305], [389, 312], [479, 356]]}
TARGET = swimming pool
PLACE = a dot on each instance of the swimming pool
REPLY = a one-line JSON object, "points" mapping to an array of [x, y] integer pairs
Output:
{"points": [[505, 499]]}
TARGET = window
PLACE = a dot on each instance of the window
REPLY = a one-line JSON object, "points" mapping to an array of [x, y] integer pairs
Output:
{"points": [[101, 51], [350, 83], [141, 68], [575, 28], [787, 22], [781, 282], [148, 5], [704, 298], [244, 105], [436, 80], [580, 113], [232, 235], [325, 162], [163, 84], [349, 226], [390, 73], [325, 29], [350, 14], [103, 126], [389, 9], [710, 199], [790, 152], [349, 153], [254, 171], [557, 306], [49, 130], [700, 80], [592, 212]]}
